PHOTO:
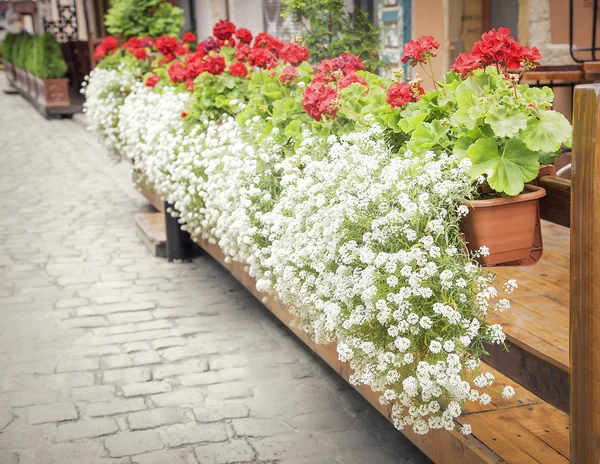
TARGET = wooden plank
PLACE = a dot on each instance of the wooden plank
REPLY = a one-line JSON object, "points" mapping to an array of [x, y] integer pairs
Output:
{"points": [[556, 205], [585, 271], [148, 192], [555, 74], [150, 227], [536, 433]]}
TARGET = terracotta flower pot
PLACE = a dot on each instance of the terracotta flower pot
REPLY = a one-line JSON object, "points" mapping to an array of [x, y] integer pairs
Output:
{"points": [[505, 225]]}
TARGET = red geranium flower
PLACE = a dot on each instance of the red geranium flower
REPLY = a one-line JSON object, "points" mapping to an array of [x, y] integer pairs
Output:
{"points": [[189, 37], [402, 94], [320, 100], [230, 42], [348, 62], [262, 58], [244, 35], [133, 42], [194, 64], [110, 43], [170, 47], [288, 75], [214, 64], [189, 84], [99, 52], [223, 29], [177, 72], [349, 79], [465, 63], [242, 51], [264, 40], [238, 69], [418, 51], [184, 115], [294, 54], [210, 44], [152, 80], [139, 53]]}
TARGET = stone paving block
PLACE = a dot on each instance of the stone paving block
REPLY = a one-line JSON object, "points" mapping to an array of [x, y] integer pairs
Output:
{"points": [[176, 456], [171, 370], [6, 417], [168, 342], [89, 428], [225, 453], [9, 457], [202, 378], [178, 398], [186, 434], [215, 413], [116, 406], [28, 397], [130, 443], [145, 388], [127, 375], [227, 391], [251, 427], [145, 357], [136, 346], [54, 412], [125, 318], [93, 393], [325, 421], [153, 418], [75, 365]]}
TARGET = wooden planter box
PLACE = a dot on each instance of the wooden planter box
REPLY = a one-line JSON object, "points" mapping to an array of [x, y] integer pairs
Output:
{"points": [[53, 93], [32, 86]]}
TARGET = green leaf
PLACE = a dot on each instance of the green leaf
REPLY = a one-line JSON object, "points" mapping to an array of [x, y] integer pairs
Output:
{"points": [[506, 124], [409, 124], [428, 136], [461, 145], [506, 172], [547, 132]]}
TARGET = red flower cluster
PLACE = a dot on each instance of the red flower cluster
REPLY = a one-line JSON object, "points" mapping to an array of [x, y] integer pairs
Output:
{"points": [[189, 37], [107, 45], [294, 54], [243, 35], [341, 70], [262, 58], [497, 48], [170, 48], [288, 75], [320, 100], [210, 44], [224, 29], [401, 94], [264, 40], [420, 50], [238, 69], [152, 80]]}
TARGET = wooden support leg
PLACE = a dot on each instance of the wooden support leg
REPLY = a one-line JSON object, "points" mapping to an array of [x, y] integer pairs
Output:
{"points": [[179, 243], [585, 277]]}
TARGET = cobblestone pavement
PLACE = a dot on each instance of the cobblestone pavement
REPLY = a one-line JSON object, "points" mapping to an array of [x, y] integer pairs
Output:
{"points": [[109, 355]]}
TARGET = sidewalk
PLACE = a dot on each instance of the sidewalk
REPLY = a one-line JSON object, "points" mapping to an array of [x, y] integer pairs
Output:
{"points": [[109, 355]]}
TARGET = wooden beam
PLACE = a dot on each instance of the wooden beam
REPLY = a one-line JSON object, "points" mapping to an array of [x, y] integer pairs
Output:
{"points": [[556, 205], [584, 331]]}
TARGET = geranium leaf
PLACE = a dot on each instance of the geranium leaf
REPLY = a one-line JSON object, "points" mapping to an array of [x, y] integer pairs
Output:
{"points": [[506, 125], [461, 145], [428, 136], [547, 132], [508, 171]]}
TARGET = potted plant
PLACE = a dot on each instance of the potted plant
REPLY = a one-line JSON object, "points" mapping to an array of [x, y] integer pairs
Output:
{"points": [[8, 56], [506, 129], [50, 69]]}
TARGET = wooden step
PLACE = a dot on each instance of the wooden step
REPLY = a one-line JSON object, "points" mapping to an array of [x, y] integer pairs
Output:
{"points": [[522, 429], [537, 325], [150, 227]]}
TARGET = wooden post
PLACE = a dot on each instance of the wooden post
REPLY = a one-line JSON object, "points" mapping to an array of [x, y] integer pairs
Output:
{"points": [[584, 326]]}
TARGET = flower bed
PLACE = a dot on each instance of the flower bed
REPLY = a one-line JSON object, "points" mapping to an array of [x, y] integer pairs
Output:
{"points": [[340, 191]]}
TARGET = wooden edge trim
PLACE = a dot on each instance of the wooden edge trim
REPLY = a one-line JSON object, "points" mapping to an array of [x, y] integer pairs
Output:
{"points": [[556, 205]]}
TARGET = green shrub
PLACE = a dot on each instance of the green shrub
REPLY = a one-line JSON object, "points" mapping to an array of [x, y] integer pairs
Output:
{"points": [[8, 46], [330, 29], [139, 18], [49, 62], [24, 50]]}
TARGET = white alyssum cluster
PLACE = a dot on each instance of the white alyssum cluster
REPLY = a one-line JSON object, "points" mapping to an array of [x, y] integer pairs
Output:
{"points": [[362, 243], [105, 91]]}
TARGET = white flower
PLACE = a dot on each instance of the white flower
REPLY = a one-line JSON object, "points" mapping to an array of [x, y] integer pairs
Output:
{"points": [[435, 346], [508, 392]]}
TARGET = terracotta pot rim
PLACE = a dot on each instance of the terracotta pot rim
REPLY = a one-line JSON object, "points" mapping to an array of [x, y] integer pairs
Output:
{"points": [[534, 192]]}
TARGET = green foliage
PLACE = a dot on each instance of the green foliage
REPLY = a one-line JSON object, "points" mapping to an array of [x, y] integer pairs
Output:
{"points": [[139, 18], [8, 47], [49, 63], [506, 129], [329, 30], [25, 50]]}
